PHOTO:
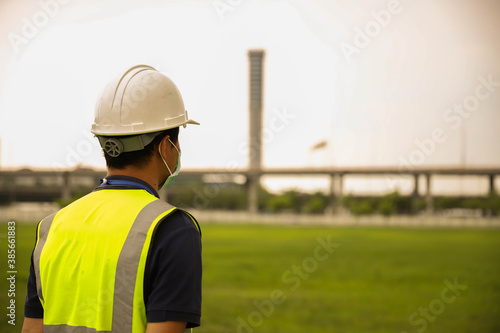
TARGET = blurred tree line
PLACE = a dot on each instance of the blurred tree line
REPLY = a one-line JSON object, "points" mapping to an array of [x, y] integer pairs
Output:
{"points": [[232, 196], [395, 203]]}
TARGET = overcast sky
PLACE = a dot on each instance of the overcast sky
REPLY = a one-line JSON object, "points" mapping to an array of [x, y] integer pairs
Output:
{"points": [[381, 82]]}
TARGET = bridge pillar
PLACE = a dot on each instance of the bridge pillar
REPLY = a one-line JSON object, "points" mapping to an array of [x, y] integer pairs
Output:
{"points": [[66, 186], [492, 185], [252, 193], [428, 195], [415, 194], [415, 187], [336, 195]]}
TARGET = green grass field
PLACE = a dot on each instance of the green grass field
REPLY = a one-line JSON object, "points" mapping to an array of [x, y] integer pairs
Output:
{"points": [[319, 279]]}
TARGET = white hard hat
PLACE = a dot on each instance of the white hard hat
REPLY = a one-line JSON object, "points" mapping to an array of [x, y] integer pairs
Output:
{"points": [[141, 101]]}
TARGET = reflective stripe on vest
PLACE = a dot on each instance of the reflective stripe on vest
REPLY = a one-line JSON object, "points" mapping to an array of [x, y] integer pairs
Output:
{"points": [[89, 261]]}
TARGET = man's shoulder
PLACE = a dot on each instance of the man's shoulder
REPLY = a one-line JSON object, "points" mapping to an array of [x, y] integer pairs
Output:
{"points": [[179, 219]]}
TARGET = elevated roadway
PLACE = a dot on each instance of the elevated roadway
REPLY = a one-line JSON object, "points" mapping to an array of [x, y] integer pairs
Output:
{"points": [[47, 185]]}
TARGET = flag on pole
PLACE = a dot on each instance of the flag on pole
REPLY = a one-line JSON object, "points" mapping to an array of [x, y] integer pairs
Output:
{"points": [[320, 145]]}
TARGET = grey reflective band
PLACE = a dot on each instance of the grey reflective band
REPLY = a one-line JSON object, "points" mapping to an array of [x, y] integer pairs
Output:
{"points": [[43, 230], [70, 329], [81, 329], [129, 143], [126, 268], [128, 263]]}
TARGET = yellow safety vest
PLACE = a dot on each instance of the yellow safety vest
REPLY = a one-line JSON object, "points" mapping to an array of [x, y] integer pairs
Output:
{"points": [[90, 259]]}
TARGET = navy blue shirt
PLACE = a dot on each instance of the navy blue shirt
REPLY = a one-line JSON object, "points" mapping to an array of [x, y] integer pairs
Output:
{"points": [[172, 277]]}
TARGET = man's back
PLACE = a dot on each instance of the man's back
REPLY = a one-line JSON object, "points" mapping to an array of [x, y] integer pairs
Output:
{"points": [[83, 248], [91, 256]]}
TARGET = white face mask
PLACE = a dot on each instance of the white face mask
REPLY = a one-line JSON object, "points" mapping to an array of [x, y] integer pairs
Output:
{"points": [[177, 167]]}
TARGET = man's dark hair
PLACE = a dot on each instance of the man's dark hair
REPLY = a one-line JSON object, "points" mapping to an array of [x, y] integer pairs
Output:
{"points": [[140, 158]]}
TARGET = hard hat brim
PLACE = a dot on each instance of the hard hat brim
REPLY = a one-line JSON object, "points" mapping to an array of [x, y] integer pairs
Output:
{"points": [[191, 121]]}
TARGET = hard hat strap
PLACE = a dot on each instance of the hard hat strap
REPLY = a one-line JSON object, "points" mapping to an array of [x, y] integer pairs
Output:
{"points": [[117, 145]]}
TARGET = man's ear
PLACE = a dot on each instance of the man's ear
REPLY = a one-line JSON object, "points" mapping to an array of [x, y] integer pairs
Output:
{"points": [[164, 143]]}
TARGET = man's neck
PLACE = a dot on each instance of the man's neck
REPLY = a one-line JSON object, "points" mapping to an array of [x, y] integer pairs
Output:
{"points": [[142, 174]]}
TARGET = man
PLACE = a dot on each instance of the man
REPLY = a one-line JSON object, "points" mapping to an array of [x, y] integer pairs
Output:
{"points": [[119, 259]]}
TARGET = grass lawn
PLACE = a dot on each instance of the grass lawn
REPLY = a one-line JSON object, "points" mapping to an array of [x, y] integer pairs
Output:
{"points": [[319, 279]]}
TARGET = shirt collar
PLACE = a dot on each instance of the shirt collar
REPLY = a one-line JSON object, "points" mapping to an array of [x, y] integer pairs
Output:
{"points": [[139, 183]]}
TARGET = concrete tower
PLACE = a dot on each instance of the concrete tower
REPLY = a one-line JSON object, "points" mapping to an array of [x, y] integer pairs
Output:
{"points": [[256, 69], [255, 106]]}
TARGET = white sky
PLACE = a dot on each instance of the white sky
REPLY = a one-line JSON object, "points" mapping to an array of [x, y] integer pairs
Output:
{"points": [[371, 109]]}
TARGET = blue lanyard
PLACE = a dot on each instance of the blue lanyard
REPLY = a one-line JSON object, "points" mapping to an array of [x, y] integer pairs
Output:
{"points": [[124, 182]]}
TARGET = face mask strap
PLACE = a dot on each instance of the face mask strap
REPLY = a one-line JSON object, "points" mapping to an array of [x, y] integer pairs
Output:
{"points": [[172, 175], [164, 162]]}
